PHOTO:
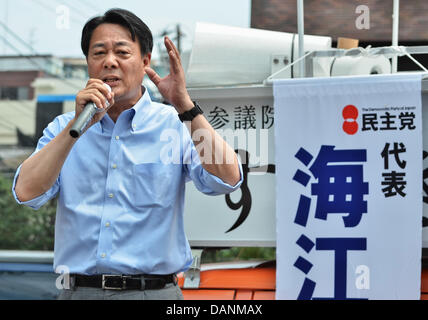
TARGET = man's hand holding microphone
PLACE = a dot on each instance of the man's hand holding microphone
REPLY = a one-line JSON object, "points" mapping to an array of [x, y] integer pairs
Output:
{"points": [[92, 103], [39, 172]]}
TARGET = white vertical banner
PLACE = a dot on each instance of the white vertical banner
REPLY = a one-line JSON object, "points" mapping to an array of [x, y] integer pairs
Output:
{"points": [[349, 187]]}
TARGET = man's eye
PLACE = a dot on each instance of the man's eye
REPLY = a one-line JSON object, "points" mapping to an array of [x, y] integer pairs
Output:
{"points": [[98, 53]]}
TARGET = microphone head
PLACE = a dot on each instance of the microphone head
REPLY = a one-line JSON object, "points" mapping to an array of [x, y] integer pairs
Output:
{"points": [[107, 86], [109, 90]]}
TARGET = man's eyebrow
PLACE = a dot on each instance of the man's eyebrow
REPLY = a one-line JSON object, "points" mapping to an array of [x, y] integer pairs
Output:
{"points": [[98, 45], [122, 43], [116, 44]]}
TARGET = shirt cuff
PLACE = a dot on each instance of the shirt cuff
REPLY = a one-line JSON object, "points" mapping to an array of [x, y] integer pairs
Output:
{"points": [[218, 185], [35, 203]]}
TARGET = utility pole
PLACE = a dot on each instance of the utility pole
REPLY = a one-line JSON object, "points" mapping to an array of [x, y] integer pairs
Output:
{"points": [[179, 34], [31, 36]]}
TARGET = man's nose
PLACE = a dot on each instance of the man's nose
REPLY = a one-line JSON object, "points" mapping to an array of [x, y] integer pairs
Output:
{"points": [[110, 61]]}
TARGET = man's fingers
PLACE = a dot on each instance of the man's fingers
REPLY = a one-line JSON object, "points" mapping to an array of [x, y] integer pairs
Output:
{"points": [[170, 46], [174, 56], [98, 98], [153, 75], [93, 95], [111, 100], [174, 62], [90, 98], [100, 86]]}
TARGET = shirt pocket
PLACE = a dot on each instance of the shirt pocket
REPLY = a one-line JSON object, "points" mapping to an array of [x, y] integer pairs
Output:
{"points": [[155, 184]]}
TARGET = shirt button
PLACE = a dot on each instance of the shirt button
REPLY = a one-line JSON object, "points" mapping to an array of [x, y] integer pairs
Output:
{"points": [[107, 224], [103, 255], [110, 195], [117, 138], [114, 166]]}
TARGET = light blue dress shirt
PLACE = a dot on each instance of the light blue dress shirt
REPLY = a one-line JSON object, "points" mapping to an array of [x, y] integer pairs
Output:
{"points": [[120, 205]]}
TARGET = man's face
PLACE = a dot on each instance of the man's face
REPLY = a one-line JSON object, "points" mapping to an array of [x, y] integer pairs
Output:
{"points": [[114, 58]]}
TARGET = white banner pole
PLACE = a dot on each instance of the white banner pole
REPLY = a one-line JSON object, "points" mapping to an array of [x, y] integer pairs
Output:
{"points": [[395, 20], [301, 31]]}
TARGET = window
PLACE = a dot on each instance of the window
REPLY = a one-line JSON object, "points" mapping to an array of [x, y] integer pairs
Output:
{"points": [[14, 93]]}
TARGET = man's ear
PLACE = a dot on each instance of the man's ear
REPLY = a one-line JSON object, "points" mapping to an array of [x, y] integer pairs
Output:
{"points": [[146, 60]]}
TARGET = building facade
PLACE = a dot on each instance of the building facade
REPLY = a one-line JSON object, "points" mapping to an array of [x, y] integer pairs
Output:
{"points": [[369, 21]]}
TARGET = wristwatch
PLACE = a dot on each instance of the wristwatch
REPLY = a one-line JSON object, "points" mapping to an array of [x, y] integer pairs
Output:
{"points": [[190, 114]]}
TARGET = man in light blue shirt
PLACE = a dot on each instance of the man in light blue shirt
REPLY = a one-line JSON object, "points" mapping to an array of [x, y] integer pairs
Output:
{"points": [[120, 185]]}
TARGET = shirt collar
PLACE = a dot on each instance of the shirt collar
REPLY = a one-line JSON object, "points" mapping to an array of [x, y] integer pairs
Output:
{"points": [[136, 114], [140, 109]]}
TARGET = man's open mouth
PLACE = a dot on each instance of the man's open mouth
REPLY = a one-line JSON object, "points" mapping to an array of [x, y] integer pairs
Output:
{"points": [[111, 81]]}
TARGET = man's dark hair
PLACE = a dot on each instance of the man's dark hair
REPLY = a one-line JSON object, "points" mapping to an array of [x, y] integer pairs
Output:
{"points": [[125, 18]]}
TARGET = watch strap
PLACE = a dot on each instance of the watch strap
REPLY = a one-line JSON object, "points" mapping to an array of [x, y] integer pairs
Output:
{"points": [[190, 114]]}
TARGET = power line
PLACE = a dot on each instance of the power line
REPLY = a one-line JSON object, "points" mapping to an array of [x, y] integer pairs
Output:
{"points": [[6, 17], [17, 37], [68, 4], [33, 52], [90, 6], [39, 66], [17, 50], [53, 10]]}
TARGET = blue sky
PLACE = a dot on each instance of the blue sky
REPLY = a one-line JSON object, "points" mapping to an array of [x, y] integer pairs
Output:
{"points": [[41, 23]]}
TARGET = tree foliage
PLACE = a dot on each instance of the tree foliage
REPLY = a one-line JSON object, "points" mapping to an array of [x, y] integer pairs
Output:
{"points": [[22, 228]]}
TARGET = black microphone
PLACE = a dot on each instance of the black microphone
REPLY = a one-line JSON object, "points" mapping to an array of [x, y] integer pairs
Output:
{"points": [[85, 116]]}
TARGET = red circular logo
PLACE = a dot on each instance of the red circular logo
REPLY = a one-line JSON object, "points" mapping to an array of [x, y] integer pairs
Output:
{"points": [[350, 114]]}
